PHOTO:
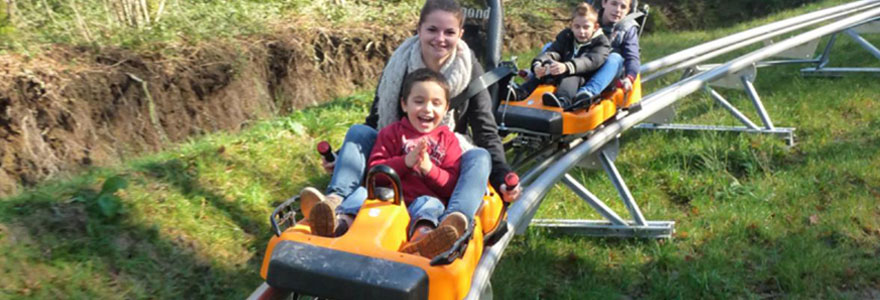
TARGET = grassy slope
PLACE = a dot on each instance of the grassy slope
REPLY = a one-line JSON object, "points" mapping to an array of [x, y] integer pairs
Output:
{"points": [[754, 218]]}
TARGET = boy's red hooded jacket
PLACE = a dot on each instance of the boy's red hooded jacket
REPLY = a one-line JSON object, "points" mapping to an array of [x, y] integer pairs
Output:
{"points": [[399, 138]]}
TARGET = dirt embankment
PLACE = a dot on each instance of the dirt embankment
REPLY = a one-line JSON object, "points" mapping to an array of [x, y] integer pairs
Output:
{"points": [[70, 108]]}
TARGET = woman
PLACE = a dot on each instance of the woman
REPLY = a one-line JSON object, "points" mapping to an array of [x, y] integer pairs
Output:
{"points": [[436, 46]]}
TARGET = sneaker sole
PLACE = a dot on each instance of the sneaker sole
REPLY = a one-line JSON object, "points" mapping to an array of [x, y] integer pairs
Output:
{"points": [[457, 221], [323, 220], [434, 243], [308, 198]]}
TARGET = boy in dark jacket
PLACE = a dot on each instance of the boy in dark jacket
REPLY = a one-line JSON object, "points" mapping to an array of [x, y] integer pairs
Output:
{"points": [[575, 55], [624, 36]]}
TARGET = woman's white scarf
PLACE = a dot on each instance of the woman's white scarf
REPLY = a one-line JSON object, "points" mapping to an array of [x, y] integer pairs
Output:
{"points": [[407, 58]]}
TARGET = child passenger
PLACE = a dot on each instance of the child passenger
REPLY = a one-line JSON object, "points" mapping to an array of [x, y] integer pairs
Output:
{"points": [[571, 59], [426, 155], [624, 36]]}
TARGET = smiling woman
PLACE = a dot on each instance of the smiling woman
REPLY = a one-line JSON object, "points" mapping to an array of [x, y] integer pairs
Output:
{"points": [[439, 32]]}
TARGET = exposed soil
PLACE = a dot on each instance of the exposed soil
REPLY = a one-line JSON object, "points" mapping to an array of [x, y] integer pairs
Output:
{"points": [[70, 107]]}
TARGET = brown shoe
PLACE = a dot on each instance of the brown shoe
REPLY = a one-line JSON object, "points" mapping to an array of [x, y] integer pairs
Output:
{"points": [[432, 244], [322, 214], [308, 197], [457, 220], [323, 220]]}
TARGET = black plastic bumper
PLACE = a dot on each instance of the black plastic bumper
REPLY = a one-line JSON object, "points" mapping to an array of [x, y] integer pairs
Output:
{"points": [[532, 119], [323, 272]]}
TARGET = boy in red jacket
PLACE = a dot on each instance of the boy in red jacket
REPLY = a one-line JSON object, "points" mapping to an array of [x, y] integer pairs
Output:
{"points": [[426, 155]]}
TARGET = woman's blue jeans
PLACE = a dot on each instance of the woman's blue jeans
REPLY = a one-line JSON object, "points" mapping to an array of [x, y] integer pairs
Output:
{"points": [[466, 198], [351, 165], [471, 185]]}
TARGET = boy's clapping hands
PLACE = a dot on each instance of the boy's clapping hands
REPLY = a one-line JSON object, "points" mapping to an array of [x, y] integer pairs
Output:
{"points": [[418, 158], [425, 163]]}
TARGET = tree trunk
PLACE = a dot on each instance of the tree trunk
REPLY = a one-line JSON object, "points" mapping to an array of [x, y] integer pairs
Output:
{"points": [[7, 13]]}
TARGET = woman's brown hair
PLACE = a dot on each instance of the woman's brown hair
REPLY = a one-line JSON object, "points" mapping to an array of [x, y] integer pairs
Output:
{"points": [[450, 6]]}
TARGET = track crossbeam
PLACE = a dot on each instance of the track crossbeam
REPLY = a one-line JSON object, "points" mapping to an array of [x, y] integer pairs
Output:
{"points": [[598, 228]]}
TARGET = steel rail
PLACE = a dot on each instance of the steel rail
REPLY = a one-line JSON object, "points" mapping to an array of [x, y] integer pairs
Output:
{"points": [[520, 213], [749, 41], [754, 34]]}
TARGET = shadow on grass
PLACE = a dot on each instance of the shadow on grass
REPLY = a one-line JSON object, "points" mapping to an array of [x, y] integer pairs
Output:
{"points": [[185, 179], [71, 248], [66, 228]]}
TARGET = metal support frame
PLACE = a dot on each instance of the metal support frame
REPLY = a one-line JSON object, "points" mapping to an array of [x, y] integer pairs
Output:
{"points": [[759, 106], [614, 225], [820, 68], [745, 79], [624, 192], [785, 133], [732, 109], [820, 61]]}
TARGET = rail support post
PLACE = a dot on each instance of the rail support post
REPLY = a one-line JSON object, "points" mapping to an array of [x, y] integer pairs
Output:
{"points": [[613, 225], [871, 26], [759, 106], [740, 79]]}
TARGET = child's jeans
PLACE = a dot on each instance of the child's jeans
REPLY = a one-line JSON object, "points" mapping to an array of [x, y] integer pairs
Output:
{"points": [[424, 209], [596, 83], [604, 75]]}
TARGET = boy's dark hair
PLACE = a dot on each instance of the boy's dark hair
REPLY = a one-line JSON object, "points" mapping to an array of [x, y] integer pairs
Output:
{"points": [[422, 75], [450, 6], [585, 10]]}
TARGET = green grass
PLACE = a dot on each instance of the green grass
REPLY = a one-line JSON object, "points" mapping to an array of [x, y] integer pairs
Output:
{"points": [[754, 218]]}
